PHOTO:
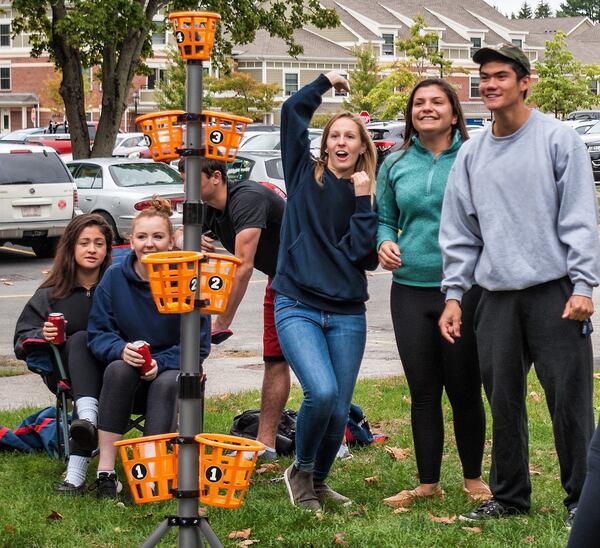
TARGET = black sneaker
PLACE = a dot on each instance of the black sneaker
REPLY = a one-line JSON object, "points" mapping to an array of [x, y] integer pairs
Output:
{"points": [[108, 486], [570, 518], [488, 510], [85, 434], [66, 488]]}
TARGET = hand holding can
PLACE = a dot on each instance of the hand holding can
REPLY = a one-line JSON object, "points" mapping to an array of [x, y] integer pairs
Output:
{"points": [[57, 320], [143, 349]]}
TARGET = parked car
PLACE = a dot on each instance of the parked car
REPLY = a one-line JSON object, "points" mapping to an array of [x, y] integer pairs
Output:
{"points": [[594, 150], [584, 115], [19, 135], [263, 166], [118, 188], [387, 138], [38, 197], [272, 141], [127, 143], [581, 126], [592, 134]]}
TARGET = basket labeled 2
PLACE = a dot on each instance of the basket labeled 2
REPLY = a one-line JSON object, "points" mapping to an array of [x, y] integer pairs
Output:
{"points": [[224, 472], [216, 279]]}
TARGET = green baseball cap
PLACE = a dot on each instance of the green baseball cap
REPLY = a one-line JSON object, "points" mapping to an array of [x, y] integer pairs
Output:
{"points": [[514, 53]]}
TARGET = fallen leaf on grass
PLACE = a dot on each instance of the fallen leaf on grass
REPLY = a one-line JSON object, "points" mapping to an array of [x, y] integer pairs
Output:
{"points": [[319, 516], [371, 479], [244, 533], [534, 471], [268, 467], [247, 542], [361, 510], [597, 375], [55, 515], [202, 511], [442, 519], [397, 453], [529, 540], [10, 528], [401, 510], [280, 538], [118, 530], [545, 510], [406, 399], [338, 539], [472, 529], [535, 397]]}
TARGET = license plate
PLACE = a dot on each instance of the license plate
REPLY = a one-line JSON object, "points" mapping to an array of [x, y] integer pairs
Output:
{"points": [[179, 207], [31, 211]]}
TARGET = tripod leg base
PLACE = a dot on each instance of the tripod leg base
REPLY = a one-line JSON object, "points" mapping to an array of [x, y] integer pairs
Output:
{"points": [[156, 535]]}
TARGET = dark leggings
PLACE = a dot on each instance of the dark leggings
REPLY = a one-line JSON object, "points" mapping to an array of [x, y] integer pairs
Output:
{"points": [[430, 365], [587, 519], [124, 393]]}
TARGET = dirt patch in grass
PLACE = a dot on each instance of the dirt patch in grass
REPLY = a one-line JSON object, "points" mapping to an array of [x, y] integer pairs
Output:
{"points": [[11, 367]]}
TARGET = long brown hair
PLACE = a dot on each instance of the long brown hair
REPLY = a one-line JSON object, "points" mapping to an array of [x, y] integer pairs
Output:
{"points": [[367, 162], [63, 276], [159, 207], [410, 130]]}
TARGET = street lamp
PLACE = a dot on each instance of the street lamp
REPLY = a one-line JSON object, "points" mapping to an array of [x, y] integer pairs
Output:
{"points": [[136, 100]]}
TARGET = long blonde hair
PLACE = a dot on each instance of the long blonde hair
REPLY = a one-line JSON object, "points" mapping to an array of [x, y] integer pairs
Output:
{"points": [[367, 161]]}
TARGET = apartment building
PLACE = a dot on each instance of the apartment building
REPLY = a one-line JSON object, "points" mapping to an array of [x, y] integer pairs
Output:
{"points": [[461, 27]]}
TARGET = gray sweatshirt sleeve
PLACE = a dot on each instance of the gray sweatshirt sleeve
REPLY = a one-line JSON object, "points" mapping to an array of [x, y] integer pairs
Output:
{"points": [[577, 221], [460, 235]]}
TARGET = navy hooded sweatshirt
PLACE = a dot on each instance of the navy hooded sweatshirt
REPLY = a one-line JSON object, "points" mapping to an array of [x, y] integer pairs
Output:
{"points": [[123, 311], [329, 235]]}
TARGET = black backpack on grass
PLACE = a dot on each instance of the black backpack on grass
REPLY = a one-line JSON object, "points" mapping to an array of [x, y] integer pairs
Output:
{"points": [[246, 426]]}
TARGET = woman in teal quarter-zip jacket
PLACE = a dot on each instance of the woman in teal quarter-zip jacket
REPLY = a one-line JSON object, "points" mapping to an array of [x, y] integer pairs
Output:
{"points": [[410, 191]]}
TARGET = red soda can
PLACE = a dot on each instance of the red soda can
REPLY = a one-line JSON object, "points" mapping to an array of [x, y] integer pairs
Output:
{"points": [[143, 348], [57, 319]]}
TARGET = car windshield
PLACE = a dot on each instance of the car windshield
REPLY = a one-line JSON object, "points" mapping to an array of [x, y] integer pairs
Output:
{"points": [[266, 141], [32, 167], [594, 129], [144, 174]]}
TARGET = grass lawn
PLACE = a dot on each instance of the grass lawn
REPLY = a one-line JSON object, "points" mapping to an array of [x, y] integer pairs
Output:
{"points": [[27, 498]]}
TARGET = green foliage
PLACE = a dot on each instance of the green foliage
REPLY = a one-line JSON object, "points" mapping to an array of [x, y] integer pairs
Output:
{"points": [[525, 11], [320, 120], [389, 97], [170, 91], [564, 84], [420, 45], [543, 10], [363, 79], [422, 49], [240, 94], [589, 8]]}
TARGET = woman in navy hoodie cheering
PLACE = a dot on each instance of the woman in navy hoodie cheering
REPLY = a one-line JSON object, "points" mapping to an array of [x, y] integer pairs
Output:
{"points": [[328, 239], [124, 312]]}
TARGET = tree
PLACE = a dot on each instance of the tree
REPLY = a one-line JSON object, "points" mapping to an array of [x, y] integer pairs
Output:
{"points": [[116, 35], [238, 93], [390, 96], [363, 79], [589, 8], [50, 94], [543, 10], [525, 11], [420, 46], [564, 84], [169, 92]]}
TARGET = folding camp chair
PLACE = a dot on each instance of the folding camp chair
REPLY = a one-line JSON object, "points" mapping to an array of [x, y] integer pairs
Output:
{"points": [[44, 358]]}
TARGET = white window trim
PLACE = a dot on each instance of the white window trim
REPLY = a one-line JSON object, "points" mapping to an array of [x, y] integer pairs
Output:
{"points": [[471, 86], [10, 39], [289, 71]]}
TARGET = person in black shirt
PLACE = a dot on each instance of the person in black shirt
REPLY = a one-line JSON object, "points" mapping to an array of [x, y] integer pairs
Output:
{"points": [[82, 256], [246, 218]]}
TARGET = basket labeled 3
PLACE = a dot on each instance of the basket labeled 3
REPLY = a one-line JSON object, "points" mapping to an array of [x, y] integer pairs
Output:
{"points": [[224, 472], [223, 134], [173, 277], [216, 279], [150, 465]]}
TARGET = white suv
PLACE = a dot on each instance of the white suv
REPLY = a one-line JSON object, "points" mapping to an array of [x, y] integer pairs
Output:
{"points": [[38, 197]]}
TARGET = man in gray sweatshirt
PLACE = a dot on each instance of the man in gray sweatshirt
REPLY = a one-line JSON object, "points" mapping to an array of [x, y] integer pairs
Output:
{"points": [[519, 219]]}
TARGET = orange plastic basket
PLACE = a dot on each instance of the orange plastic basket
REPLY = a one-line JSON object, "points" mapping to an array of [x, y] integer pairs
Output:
{"points": [[173, 277], [194, 33], [216, 278], [224, 473], [223, 134], [150, 464], [163, 133]]}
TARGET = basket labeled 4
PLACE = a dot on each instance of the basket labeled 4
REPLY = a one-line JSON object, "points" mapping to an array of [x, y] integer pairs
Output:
{"points": [[224, 472]]}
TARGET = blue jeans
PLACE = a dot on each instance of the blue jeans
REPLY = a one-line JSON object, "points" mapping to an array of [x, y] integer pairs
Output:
{"points": [[325, 351]]}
